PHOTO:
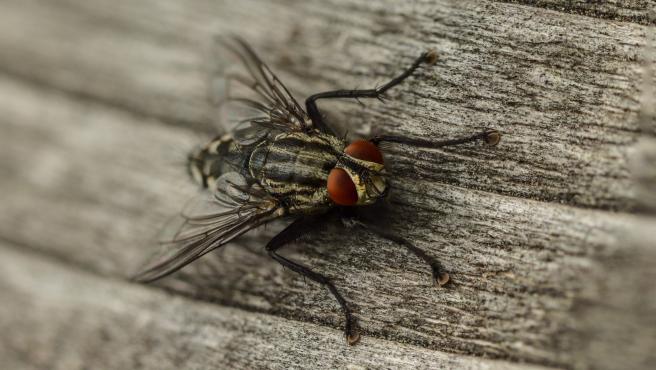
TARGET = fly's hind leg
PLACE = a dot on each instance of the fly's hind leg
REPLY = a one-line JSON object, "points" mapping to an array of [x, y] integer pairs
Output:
{"points": [[440, 276], [293, 232], [428, 57]]}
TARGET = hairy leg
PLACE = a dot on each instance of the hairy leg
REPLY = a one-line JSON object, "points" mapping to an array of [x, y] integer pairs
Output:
{"points": [[440, 276], [292, 232], [428, 57], [490, 137]]}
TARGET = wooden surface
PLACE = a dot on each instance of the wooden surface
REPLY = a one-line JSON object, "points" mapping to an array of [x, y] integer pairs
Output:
{"points": [[547, 237], [636, 11]]}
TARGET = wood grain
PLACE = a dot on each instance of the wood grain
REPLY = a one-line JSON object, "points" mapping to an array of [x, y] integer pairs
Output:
{"points": [[638, 11], [101, 102], [123, 326], [615, 313], [552, 82], [515, 271]]}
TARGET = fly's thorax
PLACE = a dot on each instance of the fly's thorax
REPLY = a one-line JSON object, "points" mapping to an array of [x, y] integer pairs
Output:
{"points": [[294, 167]]}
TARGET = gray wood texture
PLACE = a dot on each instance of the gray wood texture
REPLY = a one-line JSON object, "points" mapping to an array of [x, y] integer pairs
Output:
{"points": [[115, 325], [547, 237], [637, 11]]}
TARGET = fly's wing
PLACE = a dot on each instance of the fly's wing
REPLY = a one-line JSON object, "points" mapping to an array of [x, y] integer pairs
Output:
{"points": [[251, 97], [209, 222]]}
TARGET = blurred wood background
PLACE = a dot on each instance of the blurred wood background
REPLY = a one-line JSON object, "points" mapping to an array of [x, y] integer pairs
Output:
{"points": [[548, 237]]}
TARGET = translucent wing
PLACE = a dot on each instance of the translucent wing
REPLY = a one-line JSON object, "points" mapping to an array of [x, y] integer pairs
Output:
{"points": [[252, 98], [209, 222]]}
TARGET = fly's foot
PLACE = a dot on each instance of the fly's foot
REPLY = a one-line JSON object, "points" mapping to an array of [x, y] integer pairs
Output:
{"points": [[352, 331], [440, 277], [492, 137], [430, 56]]}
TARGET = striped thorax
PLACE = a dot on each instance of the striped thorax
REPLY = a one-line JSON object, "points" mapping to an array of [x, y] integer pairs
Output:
{"points": [[294, 167]]}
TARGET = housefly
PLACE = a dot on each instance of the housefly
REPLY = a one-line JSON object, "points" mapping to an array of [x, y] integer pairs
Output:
{"points": [[282, 161]]}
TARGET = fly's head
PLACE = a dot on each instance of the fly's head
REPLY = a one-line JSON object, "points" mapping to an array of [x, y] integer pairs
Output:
{"points": [[359, 177]]}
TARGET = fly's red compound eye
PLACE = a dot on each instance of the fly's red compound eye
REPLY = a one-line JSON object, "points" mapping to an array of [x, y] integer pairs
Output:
{"points": [[341, 188], [364, 150]]}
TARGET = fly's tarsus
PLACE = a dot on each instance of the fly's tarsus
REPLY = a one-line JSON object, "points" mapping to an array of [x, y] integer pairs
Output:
{"points": [[430, 56], [440, 278], [352, 331], [492, 137]]}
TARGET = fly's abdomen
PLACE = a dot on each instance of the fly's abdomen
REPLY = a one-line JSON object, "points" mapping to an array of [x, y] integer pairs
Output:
{"points": [[294, 167], [219, 156]]}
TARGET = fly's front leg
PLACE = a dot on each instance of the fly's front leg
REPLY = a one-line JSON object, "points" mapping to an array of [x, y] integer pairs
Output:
{"points": [[440, 276], [428, 57], [490, 137], [293, 232]]}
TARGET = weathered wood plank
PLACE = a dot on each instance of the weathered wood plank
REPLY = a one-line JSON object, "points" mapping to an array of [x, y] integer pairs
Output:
{"points": [[643, 162], [89, 174], [102, 182], [62, 318], [638, 11], [615, 314], [554, 83], [645, 175]]}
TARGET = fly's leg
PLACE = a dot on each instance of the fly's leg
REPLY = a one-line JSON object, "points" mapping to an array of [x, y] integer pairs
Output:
{"points": [[428, 57], [490, 137], [293, 232], [440, 276]]}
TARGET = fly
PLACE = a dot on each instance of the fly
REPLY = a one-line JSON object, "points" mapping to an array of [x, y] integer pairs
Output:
{"points": [[282, 161]]}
